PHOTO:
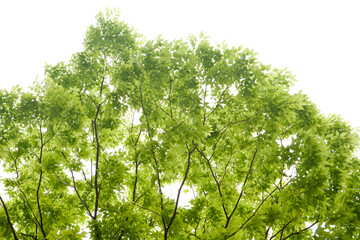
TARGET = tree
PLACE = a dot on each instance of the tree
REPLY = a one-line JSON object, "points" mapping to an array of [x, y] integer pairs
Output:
{"points": [[94, 145]]}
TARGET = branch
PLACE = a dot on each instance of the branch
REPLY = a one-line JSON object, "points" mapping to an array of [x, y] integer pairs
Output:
{"points": [[215, 179], [27, 201], [171, 115], [181, 186], [217, 105], [39, 185], [134, 203], [92, 100], [295, 233], [191, 234], [16, 169], [77, 193], [52, 135], [62, 180], [256, 210], [97, 191], [28, 235], [38, 204], [281, 230], [156, 163], [102, 84], [8, 218], [242, 188], [236, 122], [227, 164], [90, 184]]}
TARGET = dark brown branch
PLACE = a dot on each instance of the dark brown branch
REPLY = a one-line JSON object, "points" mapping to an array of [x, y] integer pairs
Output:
{"points": [[77, 193], [39, 185], [92, 100], [28, 235], [217, 105], [153, 153], [267, 233], [281, 230], [97, 191], [27, 202], [134, 203], [227, 164], [216, 181], [15, 163], [62, 180], [204, 104], [171, 114], [242, 190], [38, 204], [302, 230], [102, 85], [236, 122], [179, 191], [88, 115], [252, 215], [136, 168], [288, 130], [53, 135], [8, 219], [90, 184], [192, 234]]}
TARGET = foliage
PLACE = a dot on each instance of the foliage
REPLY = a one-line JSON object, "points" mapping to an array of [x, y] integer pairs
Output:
{"points": [[93, 146]]}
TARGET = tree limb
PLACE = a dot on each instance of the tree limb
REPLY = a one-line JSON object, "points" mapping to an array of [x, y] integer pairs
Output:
{"points": [[77, 193], [8, 219], [179, 191]]}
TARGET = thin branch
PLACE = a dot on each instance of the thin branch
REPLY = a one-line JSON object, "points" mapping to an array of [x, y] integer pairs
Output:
{"points": [[192, 234], [204, 103], [256, 210], [102, 84], [8, 219], [217, 105], [236, 122], [39, 184], [62, 180], [215, 179], [87, 115], [16, 169], [90, 184], [267, 233], [302, 230], [28, 235], [179, 191], [97, 191], [27, 201], [136, 168], [227, 164], [38, 204], [52, 135], [77, 193], [243, 186], [171, 115], [134, 203], [281, 230], [92, 100], [153, 153]]}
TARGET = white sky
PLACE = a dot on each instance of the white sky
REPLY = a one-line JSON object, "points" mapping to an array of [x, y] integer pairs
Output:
{"points": [[319, 41]]}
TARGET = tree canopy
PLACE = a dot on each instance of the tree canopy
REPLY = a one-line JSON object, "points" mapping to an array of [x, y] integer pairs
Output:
{"points": [[92, 147]]}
